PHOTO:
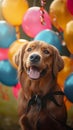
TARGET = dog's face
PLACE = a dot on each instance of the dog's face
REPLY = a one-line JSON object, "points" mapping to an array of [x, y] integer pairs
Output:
{"points": [[39, 59]]}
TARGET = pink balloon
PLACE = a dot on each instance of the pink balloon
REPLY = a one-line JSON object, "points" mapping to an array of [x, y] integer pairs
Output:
{"points": [[16, 89], [31, 23], [70, 6], [3, 54]]}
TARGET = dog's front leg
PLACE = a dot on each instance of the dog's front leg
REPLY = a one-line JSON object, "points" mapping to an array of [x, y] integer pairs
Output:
{"points": [[24, 123]]}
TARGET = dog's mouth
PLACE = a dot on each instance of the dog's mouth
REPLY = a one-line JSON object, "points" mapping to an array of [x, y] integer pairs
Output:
{"points": [[35, 73]]}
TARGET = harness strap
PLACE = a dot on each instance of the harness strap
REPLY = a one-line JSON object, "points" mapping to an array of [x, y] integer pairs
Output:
{"points": [[41, 101]]}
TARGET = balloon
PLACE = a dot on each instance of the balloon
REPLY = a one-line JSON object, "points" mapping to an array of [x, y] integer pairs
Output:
{"points": [[68, 36], [50, 37], [68, 89], [3, 54], [16, 89], [13, 10], [31, 23], [59, 14], [68, 103], [8, 75], [70, 6], [13, 49], [63, 74], [7, 34]]}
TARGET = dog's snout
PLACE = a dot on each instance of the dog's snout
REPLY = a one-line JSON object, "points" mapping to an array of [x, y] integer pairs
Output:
{"points": [[34, 58]]}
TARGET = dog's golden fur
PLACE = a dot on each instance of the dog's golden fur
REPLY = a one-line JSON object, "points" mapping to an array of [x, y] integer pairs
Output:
{"points": [[52, 61]]}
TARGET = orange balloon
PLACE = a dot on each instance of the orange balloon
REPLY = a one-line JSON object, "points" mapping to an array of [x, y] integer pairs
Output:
{"points": [[68, 36], [14, 48], [67, 103], [63, 74], [59, 14], [13, 11]]}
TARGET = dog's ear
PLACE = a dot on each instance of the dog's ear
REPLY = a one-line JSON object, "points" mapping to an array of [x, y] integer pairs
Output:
{"points": [[58, 63], [18, 57]]}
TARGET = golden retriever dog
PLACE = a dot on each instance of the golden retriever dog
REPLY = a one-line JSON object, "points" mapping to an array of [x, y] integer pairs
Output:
{"points": [[41, 105]]}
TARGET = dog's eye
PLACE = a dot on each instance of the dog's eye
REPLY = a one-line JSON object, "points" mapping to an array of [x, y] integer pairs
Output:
{"points": [[29, 49], [46, 52]]}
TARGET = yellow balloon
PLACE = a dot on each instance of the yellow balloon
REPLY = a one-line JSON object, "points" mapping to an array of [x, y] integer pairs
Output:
{"points": [[63, 74], [59, 14], [13, 49], [67, 103], [13, 11], [68, 36]]}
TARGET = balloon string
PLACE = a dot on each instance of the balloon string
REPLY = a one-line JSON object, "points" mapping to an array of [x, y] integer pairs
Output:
{"points": [[17, 32], [34, 2], [1, 18], [43, 2]]}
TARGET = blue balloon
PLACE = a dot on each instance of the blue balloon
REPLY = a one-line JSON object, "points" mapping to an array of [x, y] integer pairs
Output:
{"points": [[50, 37], [68, 89], [7, 34], [8, 75]]}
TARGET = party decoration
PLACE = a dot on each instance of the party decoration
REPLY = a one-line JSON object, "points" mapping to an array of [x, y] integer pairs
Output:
{"points": [[7, 34], [68, 36], [65, 72], [59, 14], [68, 89], [13, 49], [3, 54], [70, 6], [13, 11], [16, 89], [43, 2], [50, 37], [31, 23], [8, 75]]}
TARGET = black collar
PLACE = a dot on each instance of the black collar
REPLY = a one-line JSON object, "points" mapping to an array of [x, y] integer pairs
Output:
{"points": [[41, 101]]}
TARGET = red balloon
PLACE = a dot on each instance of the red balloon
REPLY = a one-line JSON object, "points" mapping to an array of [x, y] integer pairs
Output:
{"points": [[16, 89], [70, 6], [3, 54], [32, 23]]}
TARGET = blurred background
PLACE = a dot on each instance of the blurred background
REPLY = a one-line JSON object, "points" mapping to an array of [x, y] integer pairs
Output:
{"points": [[21, 20]]}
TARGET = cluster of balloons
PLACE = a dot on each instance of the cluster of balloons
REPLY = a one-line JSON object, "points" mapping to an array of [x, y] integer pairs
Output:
{"points": [[12, 12], [61, 14], [65, 21], [8, 73]]}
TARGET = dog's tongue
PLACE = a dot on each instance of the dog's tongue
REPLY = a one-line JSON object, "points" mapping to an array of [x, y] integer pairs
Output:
{"points": [[34, 73]]}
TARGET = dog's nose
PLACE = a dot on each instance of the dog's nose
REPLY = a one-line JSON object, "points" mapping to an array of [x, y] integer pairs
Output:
{"points": [[35, 58]]}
